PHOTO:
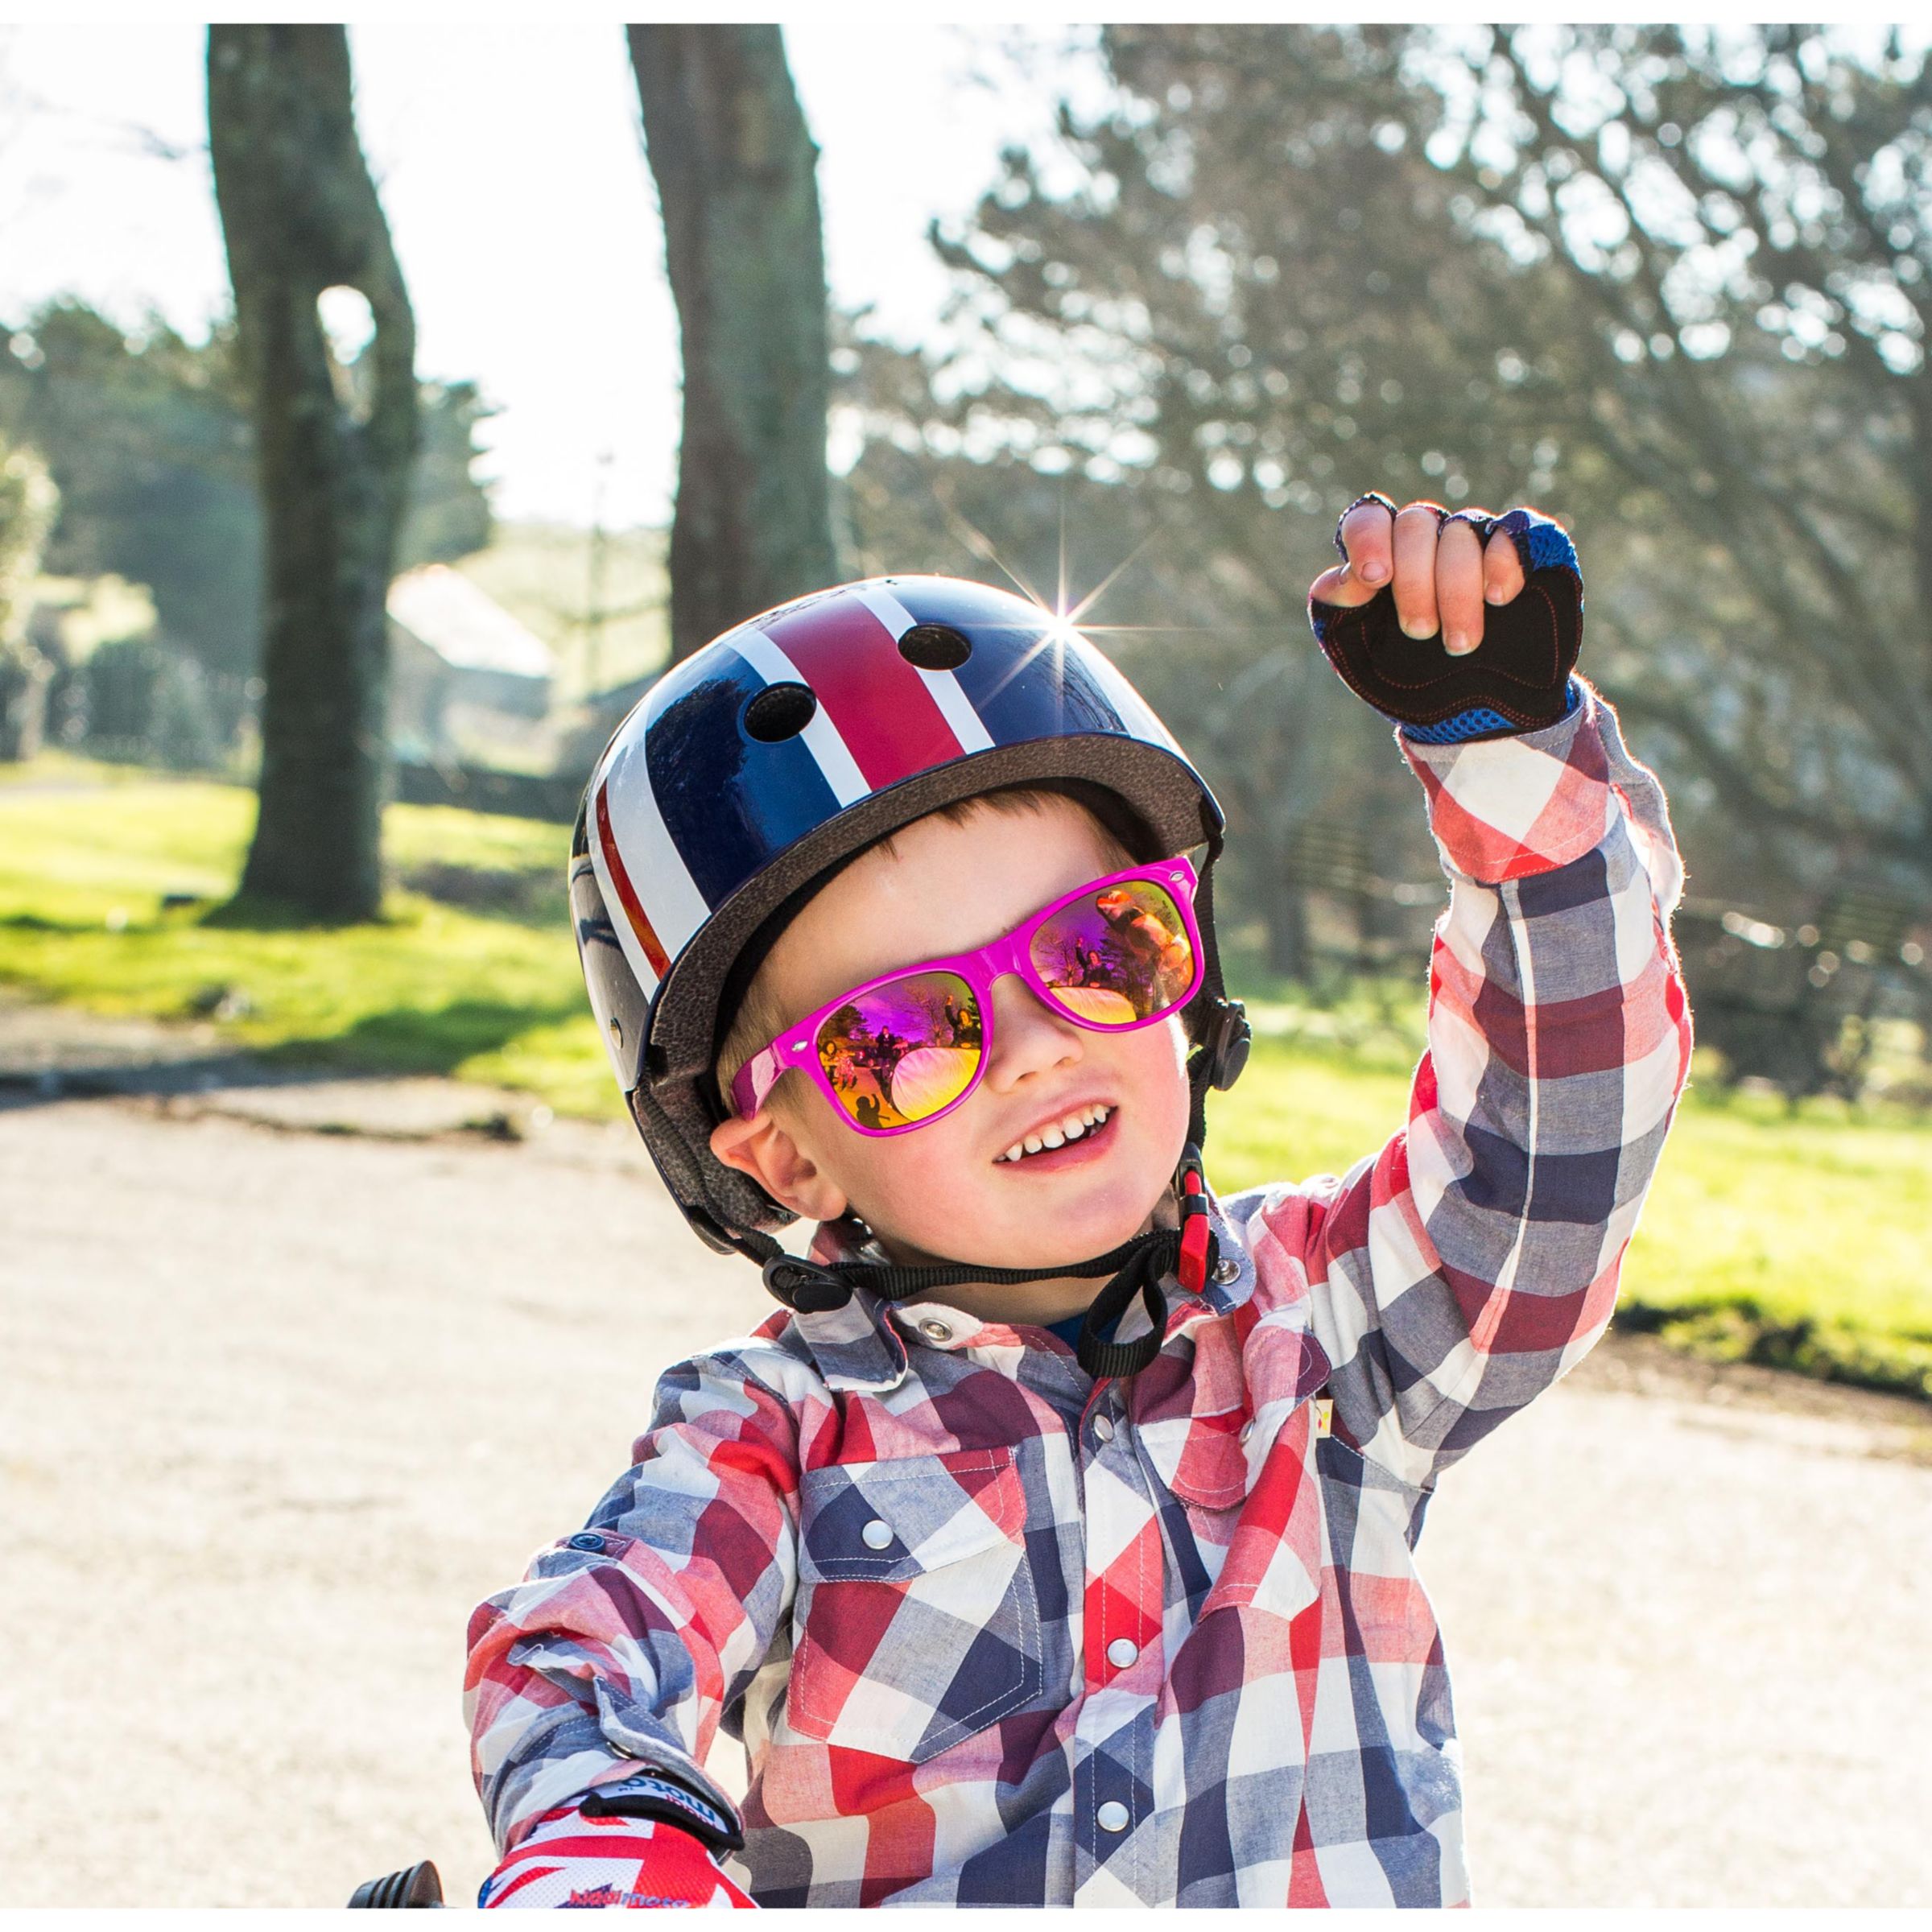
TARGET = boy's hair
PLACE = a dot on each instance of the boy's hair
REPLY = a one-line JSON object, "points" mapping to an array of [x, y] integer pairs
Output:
{"points": [[758, 1018]]}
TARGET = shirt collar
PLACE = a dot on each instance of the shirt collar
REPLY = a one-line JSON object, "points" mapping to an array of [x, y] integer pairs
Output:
{"points": [[860, 1347]]}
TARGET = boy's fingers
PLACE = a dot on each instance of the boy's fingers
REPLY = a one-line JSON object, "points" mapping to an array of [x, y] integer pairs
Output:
{"points": [[1502, 569], [1415, 542], [1365, 537], [1458, 588], [1364, 534]]}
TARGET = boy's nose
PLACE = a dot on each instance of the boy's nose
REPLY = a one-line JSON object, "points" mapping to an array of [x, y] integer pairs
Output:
{"points": [[1028, 1037]]}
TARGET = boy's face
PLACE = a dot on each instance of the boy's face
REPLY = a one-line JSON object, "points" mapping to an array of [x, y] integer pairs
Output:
{"points": [[942, 1191]]}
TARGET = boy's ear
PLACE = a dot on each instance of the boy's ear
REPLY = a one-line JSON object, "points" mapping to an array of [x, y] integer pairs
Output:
{"points": [[764, 1149]]}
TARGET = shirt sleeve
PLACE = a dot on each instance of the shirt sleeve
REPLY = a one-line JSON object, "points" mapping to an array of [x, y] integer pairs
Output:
{"points": [[627, 1642], [1473, 1261]]}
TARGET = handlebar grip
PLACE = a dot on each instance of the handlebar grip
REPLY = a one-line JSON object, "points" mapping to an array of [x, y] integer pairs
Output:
{"points": [[415, 1887]]}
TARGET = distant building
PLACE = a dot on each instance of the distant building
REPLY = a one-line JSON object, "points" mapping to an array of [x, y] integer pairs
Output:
{"points": [[465, 676]]}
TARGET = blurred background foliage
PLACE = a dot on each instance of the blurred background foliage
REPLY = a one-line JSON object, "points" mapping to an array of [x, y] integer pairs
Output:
{"points": [[147, 439], [1672, 288]]}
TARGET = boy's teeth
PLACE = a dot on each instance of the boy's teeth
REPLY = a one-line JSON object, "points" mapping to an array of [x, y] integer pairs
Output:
{"points": [[1059, 1133]]}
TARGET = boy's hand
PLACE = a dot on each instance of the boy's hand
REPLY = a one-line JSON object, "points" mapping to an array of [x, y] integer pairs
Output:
{"points": [[1405, 617], [1441, 572]]}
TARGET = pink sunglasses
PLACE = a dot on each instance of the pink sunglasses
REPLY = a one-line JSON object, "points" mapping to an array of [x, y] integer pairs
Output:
{"points": [[904, 1050]]}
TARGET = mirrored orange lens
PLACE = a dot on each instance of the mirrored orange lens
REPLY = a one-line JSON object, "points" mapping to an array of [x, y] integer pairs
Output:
{"points": [[1117, 956], [900, 1053]]}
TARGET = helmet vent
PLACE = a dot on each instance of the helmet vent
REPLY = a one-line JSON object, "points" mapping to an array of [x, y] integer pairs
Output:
{"points": [[779, 711], [935, 647]]}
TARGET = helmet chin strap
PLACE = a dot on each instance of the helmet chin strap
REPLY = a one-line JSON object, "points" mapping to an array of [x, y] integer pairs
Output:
{"points": [[1137, 1266]]}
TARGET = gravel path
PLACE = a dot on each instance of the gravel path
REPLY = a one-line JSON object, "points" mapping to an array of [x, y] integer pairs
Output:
{"points": [[281, 1406]]}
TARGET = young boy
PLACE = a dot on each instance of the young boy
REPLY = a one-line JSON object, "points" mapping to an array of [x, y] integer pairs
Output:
{"points": [[1017, 1592]]}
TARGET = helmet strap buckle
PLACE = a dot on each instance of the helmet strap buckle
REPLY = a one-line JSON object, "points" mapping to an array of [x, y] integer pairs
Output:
{"points": [[804, 1285]]}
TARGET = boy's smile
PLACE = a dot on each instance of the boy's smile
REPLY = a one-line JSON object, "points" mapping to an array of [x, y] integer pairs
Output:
{"points": [[1098, 1119]]}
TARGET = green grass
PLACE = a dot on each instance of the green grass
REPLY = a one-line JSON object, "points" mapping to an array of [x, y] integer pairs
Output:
{"points": [[433, 988], [1795, 1238]]}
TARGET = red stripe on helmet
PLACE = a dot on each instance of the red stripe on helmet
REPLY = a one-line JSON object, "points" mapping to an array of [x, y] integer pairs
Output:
{"points": [[878, 702], [627, 894]]}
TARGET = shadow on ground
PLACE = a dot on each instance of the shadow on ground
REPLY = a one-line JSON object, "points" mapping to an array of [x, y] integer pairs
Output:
{"points": [[384, 1074]]}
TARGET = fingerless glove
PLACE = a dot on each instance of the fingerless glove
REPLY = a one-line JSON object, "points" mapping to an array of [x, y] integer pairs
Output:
{"points": [[1516, 679]]}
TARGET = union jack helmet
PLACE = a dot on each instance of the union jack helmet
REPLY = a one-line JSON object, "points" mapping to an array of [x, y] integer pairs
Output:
{"points": [[748, 773]]}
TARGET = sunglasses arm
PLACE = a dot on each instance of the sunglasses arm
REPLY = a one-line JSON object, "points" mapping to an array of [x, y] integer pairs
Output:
{"points": [[752, 1083]]}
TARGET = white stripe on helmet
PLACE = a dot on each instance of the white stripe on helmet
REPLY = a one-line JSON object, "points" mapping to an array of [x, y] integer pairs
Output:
{"points": [[652, 862], [947, 693], [821, 736]]}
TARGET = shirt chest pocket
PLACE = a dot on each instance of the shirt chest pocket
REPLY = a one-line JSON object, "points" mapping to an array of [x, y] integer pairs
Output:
{"points": [[917, 1621], [1254, 1494]]}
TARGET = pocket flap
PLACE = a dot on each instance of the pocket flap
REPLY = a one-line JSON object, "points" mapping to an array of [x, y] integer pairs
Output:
{"points": [[1275, 1547], [884, 1521], [1212, 1473]]}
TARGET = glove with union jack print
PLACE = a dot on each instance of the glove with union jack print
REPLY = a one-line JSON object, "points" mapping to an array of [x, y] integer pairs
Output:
{"points": [[619, 1847]]}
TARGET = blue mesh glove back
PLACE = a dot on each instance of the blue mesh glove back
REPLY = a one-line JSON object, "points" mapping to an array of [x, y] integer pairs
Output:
{"points": [[1516, 679]]}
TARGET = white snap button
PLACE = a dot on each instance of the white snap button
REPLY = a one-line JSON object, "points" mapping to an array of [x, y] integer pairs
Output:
{"points": [[875, 1535], [1246, 1431], [1112, 1816], [935, 1332], [1103, 1428], [1122, 1652]]}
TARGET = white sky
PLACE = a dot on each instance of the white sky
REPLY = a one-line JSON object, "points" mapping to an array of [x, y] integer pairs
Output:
{"points": [[511, 175]]}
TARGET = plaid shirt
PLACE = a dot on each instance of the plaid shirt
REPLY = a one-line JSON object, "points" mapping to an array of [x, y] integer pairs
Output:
{"points": [[994, 1634]]}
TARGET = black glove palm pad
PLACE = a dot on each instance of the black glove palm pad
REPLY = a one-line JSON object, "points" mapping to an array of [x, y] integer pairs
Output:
{"points": [[1520, 671]]}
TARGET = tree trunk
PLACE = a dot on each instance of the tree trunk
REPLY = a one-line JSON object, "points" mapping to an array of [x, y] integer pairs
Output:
{"points": [[333, 450], [29, 506], [734, 167], [1286, 913], [24, 677]]}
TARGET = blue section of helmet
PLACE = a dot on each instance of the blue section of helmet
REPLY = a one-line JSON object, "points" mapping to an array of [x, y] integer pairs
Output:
{"points": [[730, 804], [1051, 694]]}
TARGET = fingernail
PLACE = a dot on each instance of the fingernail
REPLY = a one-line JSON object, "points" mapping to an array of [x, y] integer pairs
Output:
{"points": [[1373, 573], [1494, 595], [1457, 645], [1419, 631]]}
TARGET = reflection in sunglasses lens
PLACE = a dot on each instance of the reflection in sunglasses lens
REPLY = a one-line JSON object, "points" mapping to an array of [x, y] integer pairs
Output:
{"points": [[904, 1050], [1117, 956]]}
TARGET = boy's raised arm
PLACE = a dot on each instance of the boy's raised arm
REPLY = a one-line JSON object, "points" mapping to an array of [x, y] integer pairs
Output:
{"points": [[624, 1643], [1466, 1266]]}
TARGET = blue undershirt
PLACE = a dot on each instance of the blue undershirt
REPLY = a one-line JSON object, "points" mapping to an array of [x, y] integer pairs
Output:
{"points": [[1068, 1330]]}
